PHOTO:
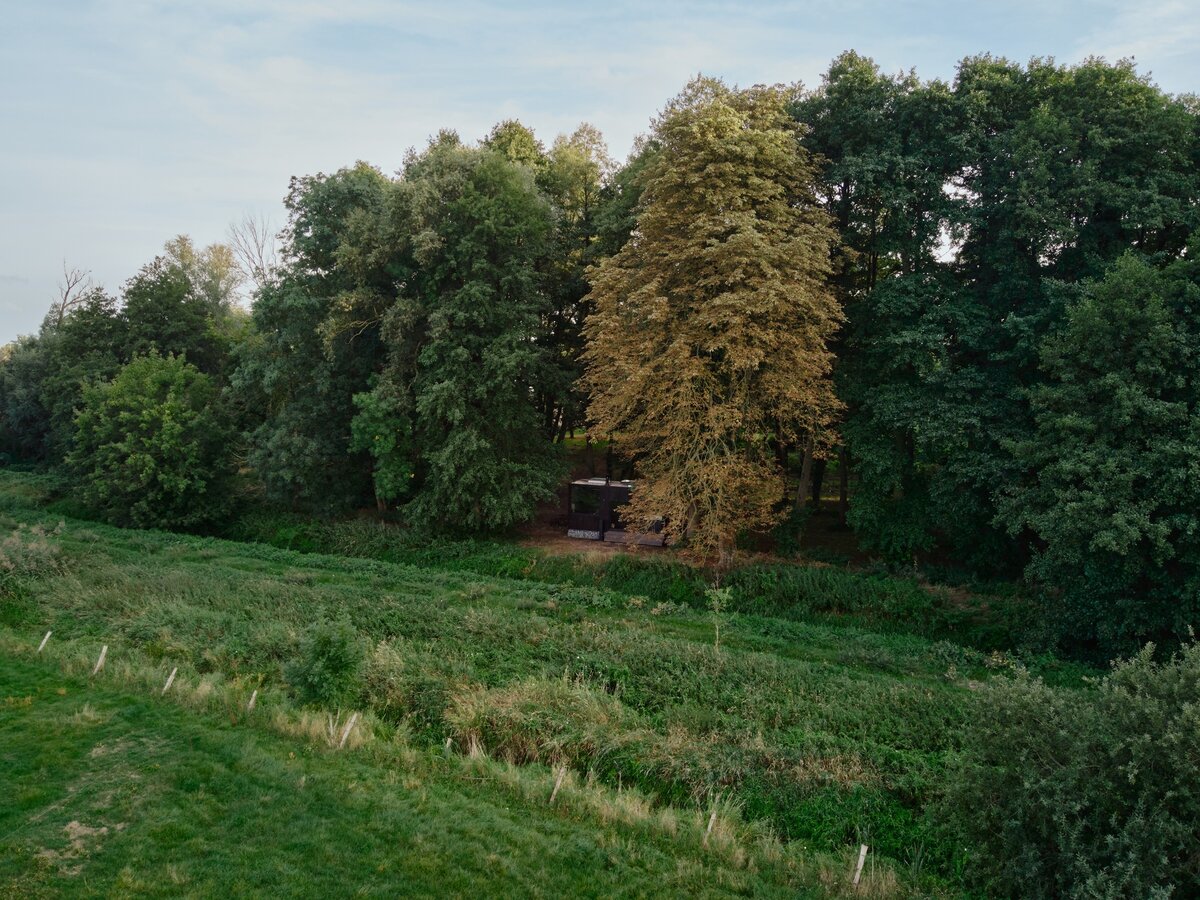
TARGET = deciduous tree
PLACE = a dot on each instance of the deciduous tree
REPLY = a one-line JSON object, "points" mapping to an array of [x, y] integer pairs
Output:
{"points": [[712, 323], [462, 336]]}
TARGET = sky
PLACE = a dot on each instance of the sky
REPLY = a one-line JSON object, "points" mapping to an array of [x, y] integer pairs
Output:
{"points": [[126, 122]]}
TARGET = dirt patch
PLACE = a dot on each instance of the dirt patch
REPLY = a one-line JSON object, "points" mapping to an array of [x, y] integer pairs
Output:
{"points": [[81, 840], [106, 749], [554, 541]]}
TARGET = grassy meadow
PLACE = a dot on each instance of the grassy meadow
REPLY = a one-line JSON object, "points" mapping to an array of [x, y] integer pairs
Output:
{"points": [[806, 732]]}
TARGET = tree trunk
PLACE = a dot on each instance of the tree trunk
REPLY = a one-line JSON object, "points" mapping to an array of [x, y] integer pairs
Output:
{"points": [[843, 483], [805, 472], [818, 479], [780, 450], [725, 552]]}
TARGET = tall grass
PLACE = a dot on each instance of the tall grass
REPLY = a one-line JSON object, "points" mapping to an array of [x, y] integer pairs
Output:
{"points": [[815, 593]]}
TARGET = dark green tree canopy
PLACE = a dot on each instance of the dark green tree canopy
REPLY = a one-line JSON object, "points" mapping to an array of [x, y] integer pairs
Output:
{"points": [[960, 208], [1111, 496]]}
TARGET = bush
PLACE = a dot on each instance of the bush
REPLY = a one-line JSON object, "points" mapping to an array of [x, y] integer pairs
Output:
{"points": [[328, 670], [152, 448], [1085, 793]]}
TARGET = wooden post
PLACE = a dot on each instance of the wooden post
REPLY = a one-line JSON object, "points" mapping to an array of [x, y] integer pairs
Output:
{"points": [[862, 858], [42, 645], [170, 680], [562, 773], [253, 697], [712, 820], [346, 730], [100, 661]]}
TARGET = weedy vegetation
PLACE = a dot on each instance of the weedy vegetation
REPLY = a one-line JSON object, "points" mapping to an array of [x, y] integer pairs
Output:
{"points": [[807, 737]]}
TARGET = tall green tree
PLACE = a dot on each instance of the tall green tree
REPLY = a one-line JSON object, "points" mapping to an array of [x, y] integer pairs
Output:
{"points": [[306, 359], [888, 145], [573, 177], [962, 216], [300, 389], [43, 377], [24, 420], [1066, 169], [518, 144], [1111, 490], [165, 312], [462, 337], [712, 323], [615, 216]]}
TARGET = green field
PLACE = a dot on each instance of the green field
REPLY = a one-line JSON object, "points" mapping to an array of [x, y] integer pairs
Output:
{"points": [[113, 792], [806, 738]]}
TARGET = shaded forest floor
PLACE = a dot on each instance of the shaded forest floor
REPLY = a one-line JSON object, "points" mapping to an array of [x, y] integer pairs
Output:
{"points": [[824, 536]]}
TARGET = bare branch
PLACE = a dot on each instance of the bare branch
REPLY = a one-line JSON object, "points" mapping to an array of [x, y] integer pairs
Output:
{"points": [[253, 245], [76, 284]]}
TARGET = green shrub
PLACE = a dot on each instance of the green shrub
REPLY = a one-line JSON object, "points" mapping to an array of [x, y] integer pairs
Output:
{"points": [[152, 449], [1085, 793], [328, 670], [403, 684]]}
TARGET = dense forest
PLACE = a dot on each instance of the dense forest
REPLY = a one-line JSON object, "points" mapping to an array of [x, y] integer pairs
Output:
{"points": [[978, 301]]}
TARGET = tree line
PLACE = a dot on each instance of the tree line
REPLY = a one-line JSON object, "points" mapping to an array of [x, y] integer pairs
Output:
{"points": [[980, 296]]}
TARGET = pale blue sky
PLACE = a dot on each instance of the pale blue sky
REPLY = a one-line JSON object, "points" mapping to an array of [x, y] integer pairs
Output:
{"points": [[129, 121]]}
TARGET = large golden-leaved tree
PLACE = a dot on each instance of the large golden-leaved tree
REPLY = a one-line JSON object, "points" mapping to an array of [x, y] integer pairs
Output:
{"points": [[709, 339]]}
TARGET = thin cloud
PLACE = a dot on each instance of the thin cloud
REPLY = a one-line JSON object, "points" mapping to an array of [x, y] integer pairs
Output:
{"points": [[139, 119], [1154, 35]]}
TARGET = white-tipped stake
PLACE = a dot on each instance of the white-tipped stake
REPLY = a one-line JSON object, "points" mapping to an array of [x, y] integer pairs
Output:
{"points": [[862, 858], [253, 697], [562, 773], [170, 680], [346, 730], [42, 645], [100, 661], [712, 820]]}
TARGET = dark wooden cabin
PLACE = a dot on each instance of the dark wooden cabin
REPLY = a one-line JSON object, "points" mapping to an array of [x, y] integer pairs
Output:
{"points": [[593, 512]]}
